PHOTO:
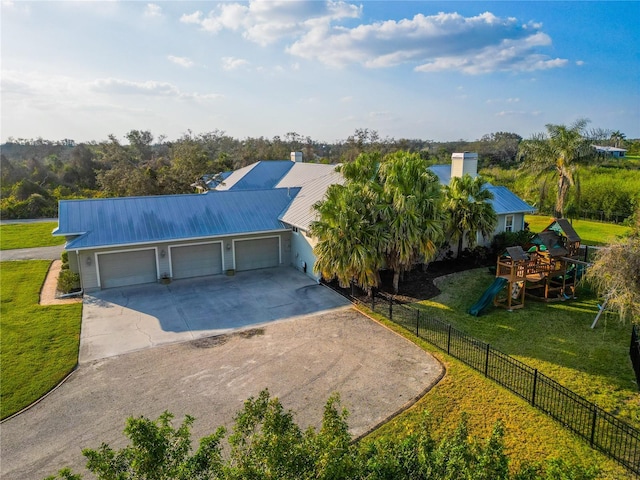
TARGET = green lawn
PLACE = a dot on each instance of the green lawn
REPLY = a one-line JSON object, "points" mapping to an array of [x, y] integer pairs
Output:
{"points": [[554, 338], [591, 232], [28, 235], [39, 344]]}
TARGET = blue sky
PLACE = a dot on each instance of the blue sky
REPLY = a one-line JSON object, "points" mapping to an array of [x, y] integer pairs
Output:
{"points": [[431, 70]]}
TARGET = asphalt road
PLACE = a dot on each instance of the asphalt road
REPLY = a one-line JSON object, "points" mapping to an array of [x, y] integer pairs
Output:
{"points": [[40, 253]]}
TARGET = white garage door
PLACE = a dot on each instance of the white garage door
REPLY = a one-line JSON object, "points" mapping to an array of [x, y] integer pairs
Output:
{"points": [[259, 253], [196, 260], [127, 268]]}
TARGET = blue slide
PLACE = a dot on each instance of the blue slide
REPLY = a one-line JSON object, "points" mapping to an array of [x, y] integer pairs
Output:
{"points": [[487, 297]]}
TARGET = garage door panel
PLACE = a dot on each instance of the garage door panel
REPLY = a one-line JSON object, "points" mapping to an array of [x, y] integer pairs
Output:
{"points": [[127, 268], [196, 260], [258, 253]]}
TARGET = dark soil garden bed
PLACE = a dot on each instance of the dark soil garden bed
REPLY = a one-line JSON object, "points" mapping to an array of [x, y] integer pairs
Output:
{"points": [[416, 285]]}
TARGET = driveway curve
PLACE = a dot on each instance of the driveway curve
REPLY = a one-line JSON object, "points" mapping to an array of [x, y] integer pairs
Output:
{"points": [[302, 361]]}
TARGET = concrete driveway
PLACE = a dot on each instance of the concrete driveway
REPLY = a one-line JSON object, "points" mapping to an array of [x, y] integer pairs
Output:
{"points": [[302, 362], [127, 319]]}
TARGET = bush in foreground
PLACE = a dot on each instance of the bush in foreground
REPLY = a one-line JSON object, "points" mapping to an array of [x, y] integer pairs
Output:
{"points": [[267, 444]]}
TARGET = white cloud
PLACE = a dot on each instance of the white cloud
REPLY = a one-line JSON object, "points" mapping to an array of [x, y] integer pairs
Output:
{"points": [[153, 10], [266, 21], [182, 61], [116, 86], [446, 41], [580, 63], [231, 63]]}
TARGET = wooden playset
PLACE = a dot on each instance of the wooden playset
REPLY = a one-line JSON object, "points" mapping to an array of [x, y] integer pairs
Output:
{"points": [[547, 269]]}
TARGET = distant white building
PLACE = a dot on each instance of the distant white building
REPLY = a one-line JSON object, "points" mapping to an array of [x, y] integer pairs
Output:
{"points": [[609, 151]]}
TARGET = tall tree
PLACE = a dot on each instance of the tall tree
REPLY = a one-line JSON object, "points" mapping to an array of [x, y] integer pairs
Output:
{"points": [[617, 138], [350, 238], [561, 148], [469, 211], [388, 212], [615, 274], [410, 210]]}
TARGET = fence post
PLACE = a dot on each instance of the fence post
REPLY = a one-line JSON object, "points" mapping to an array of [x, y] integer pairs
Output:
{"points": [[593, 424], [449, 339], [535, 384], [486, 361], [390, 308], [418, 323]]}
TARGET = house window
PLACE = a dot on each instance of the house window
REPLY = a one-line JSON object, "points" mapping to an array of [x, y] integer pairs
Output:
{"points": [[508, 223]]}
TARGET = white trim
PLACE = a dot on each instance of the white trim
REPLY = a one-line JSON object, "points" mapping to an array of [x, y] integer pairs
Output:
{"points": [[187, 239], [506, 217], [95, 256], [233, 246], [193, 245]]}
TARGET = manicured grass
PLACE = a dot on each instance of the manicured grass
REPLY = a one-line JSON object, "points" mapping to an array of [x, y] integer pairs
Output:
{"points": [[28, 235], [39, 344], [554, 338], [591, 232]]}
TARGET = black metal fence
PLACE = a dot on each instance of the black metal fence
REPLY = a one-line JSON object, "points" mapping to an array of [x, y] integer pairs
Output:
{"points": [[634, 352], [602, 430]]}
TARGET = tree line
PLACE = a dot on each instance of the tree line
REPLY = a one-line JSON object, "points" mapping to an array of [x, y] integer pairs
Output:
{"points": [[266, 443], [36, 173]]}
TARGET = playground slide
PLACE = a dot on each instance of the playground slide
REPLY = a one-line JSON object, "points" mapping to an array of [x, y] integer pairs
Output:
{"points": [[487, 297]]}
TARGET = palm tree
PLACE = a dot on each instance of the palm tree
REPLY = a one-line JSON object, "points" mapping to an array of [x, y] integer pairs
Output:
{"points": [[411, 212], [561, 148], [388, 212], [469, 210], [349, 237], [617, 137]]}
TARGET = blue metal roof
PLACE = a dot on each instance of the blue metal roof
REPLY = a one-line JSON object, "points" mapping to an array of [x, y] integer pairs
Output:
{"points": [[504, 200], [131, 220], [443, 172], [266, 174]]}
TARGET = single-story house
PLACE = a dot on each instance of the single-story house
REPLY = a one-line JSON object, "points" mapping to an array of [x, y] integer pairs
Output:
{"points": [[509, 208], [609, 151], [255, 217]]}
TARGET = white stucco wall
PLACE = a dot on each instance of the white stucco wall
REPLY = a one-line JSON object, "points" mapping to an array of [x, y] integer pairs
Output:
{"points": [[302, 253]]}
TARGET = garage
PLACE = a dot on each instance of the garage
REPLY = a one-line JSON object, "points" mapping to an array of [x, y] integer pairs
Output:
{"points": [[196, 260], [257, 253], [127, 268]]}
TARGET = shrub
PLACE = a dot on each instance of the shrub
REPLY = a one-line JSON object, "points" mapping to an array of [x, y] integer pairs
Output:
{"points": [[68, 281], [510, 239]]}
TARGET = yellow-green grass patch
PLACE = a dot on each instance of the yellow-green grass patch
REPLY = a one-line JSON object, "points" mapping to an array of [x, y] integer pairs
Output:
{"points": [[590, 231], [28, 235], [530, 436], [39, 343]]}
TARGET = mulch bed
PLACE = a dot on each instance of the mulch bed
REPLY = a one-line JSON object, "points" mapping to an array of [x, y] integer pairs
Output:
{"points": [[416, 285]]}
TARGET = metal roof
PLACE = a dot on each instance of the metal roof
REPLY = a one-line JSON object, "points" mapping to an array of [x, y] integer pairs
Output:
{"points": [[506, 202], [443, 172], [262, 175], [301, 174], [300, 212], [233, 177], [131, 220]]}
